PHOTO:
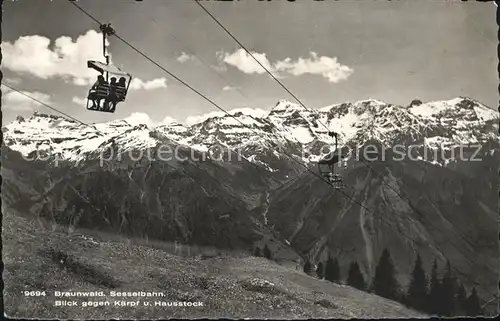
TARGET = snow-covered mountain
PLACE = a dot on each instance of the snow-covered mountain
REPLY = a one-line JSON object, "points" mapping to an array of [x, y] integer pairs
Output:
{"points": [[289, 126]]}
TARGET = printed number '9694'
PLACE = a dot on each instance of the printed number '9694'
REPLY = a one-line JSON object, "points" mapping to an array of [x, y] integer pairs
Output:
{"points": [[34, 293]]}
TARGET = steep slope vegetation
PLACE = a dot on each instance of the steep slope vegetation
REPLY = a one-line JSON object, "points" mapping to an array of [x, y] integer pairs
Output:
{"points": [[407, 207], [228, 286], [165, 200]]}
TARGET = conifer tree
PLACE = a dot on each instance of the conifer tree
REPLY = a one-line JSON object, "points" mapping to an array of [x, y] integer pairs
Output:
{"points": [[447, 292], [267, 253], [307, 267], [329, 269], [336, 271], [355, 277], [319, 270], [435, 291], [461, 300], [384, 281], [417, 291], [473, 304], [332, 270]]}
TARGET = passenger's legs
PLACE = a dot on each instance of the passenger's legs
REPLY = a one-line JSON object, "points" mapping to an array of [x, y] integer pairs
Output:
{"points": [[93, 97]]}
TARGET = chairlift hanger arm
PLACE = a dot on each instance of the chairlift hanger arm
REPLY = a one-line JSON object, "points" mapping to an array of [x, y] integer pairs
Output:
{"points": [[107, 29]]}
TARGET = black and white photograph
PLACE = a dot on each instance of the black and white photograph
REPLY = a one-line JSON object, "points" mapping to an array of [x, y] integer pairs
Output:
{"points": [[249, 159]]}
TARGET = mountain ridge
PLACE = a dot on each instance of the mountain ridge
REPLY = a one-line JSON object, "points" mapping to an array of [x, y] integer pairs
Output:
{"points": [[287, 124]]}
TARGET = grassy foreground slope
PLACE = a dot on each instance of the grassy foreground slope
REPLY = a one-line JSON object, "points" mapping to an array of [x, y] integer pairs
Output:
{"points": [[236, 287]]}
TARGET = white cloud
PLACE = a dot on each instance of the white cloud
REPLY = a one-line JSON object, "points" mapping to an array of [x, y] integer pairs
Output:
{"points": [[184, 57], [65, 58], [139, 119], [254, 112], [136, 83], [16, 101], [142, 118], [168, 120], [191, 120], [244, 62], [325, 66]]}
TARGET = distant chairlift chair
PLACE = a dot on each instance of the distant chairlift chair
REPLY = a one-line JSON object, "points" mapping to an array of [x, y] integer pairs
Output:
{"points": [[326, 166]]}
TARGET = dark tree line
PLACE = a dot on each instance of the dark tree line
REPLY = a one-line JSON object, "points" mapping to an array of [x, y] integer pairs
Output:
{"points": [[443, 296], [266, 252]]}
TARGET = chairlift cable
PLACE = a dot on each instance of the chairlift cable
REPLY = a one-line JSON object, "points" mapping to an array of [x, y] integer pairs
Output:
{"points": [[336, 178], [48, 106], [85, 124], [206, 64], [256, 60], [300, 102], [203, 96], [181, 81], [85, 12], [213, 103]]}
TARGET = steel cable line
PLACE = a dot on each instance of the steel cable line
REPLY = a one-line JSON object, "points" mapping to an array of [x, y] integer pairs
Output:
{"points": [[251, 55], [216, 105], [100, 132], [191, 52], [209, 100], [279, 82], [178, 79], [213, 103], [291, 157], [173, 76], [282, 85], [50, 107], [91, 126], [300, 102]]}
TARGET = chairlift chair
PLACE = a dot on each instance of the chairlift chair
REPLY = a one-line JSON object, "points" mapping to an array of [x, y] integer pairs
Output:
{"points": [[326, 166], [107, 69], [103, 90]]}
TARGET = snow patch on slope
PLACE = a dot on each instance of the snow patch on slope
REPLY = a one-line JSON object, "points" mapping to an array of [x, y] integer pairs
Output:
{"points": [[435, 124]]}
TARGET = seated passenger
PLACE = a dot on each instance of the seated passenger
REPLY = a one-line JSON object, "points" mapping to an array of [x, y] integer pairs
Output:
{"points": [[121, 89], [110, 102], [93, 95]]}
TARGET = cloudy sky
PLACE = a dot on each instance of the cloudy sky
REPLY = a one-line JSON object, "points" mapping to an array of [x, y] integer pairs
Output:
{"points": [[324, 52]]}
